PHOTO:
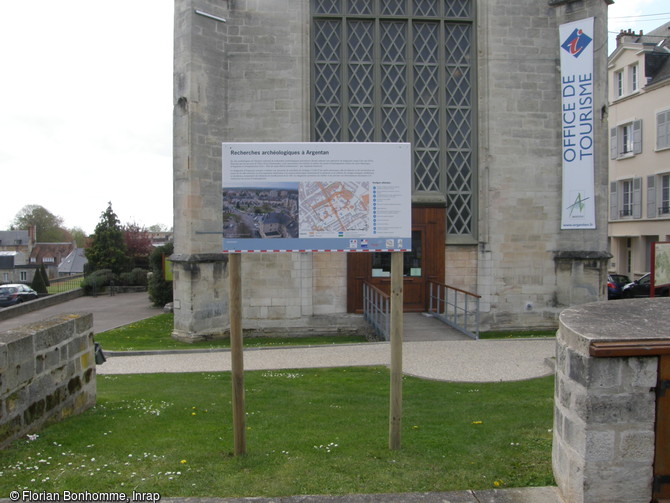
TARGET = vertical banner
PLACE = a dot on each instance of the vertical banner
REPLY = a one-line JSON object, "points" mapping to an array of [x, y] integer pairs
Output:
{"points": [[576, 39]]}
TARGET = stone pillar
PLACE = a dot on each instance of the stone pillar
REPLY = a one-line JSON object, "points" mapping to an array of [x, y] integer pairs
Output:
{"points": [[200, 104], [604, 403]]}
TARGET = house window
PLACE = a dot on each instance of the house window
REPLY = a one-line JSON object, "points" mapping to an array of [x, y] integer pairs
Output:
{"points": [[664, 206], [618, 84], [663, 130], [23, 276], [626, 198], [48, 260], [633, 78], [626, 140], [5, 277], [402, 71]]}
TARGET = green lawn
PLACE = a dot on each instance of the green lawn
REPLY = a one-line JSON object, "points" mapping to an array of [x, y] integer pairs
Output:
{"points": [[516, 334], [155, 334], [308, 432]]}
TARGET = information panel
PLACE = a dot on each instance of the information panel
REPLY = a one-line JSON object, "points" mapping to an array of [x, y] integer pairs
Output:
{"points": [[311, 197]]}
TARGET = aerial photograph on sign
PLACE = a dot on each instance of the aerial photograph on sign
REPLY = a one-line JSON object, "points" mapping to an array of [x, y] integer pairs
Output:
{"points": [[261, 212]]}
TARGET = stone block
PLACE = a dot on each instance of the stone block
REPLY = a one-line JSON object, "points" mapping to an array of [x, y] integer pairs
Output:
{"points": [[83, 323], [640, 372], [54, 332], [604, 482], [637, 446], [3, 357], [612, 409], [20, 346], [600, 445]]}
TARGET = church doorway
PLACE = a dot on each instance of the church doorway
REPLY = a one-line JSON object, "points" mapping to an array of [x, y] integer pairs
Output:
{"points": [[423, 264]]}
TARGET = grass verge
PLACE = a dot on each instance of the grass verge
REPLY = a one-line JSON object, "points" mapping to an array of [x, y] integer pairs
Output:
{"points": [[320, 431], [516, 334], [155, 334]]}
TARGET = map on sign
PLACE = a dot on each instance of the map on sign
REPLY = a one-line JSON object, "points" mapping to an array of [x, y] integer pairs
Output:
{"points": [[327, 208], [316, 197]]}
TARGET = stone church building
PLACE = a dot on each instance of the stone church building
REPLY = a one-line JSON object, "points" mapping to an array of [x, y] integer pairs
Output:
{"points": [[473, 85]]}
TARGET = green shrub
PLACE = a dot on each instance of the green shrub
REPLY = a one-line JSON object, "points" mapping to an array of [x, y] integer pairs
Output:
{"points": [[160, 290], [40, 281], [136, 277], [95, 281]]}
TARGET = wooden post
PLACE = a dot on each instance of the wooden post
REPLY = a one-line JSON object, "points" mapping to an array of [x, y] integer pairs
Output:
{"points": [[395, 408], [236, 352]]}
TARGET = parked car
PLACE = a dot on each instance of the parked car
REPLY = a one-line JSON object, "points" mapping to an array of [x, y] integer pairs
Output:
{"points": [[640, 288], [11, 295], [615, 283]]}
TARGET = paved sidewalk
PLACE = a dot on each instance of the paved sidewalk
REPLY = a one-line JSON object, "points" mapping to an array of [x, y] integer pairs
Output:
{"points": [[109, 311], [466, 361]]}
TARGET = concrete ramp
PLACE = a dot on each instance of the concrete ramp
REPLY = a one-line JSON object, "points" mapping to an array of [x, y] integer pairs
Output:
{"points": [[418, 327]]}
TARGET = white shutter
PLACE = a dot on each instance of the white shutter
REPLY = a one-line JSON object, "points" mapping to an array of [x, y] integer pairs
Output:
{"points": [[637, 137], [614, 203], [663, 130], [651, 196], [637, 197], [613, 145]]}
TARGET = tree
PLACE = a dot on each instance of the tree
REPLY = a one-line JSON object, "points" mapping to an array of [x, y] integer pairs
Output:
{"points": [[49, 226], [158, 228], [108, 249], [138, 245], [79, 237], [40, 281]]}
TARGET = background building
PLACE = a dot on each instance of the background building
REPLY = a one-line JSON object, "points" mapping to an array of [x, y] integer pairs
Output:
{"points": [[474, 85], [639, 169]]}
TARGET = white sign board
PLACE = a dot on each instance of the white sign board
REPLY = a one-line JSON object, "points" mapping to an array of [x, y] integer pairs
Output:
{"points": [[576, 48], [297, 197]]}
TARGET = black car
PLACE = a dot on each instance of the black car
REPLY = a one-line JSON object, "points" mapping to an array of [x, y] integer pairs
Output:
{"points": [[615, 283], [11, 295], [640, 288]]}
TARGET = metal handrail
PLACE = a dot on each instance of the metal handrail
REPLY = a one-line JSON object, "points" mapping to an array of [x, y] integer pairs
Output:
{"points": [[377, 310], [455, 307]]}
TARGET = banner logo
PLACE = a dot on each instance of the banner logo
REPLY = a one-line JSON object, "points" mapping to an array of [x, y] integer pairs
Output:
{"points": [[576, 42], [578, 205]]}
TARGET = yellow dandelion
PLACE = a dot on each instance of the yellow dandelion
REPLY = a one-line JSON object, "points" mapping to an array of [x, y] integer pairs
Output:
{"points": [[477, 422], [183, 461]]}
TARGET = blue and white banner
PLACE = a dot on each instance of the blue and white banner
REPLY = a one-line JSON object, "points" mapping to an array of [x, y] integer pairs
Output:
{"points": [[577, 133]]}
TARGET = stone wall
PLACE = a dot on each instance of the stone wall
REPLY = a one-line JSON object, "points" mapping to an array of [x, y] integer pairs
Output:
{"points": [[520, 171], [605, 407], [34, 305], [47, 373]]}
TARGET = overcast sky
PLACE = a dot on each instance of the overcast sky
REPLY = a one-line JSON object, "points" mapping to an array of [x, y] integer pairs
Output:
{"points": [[86, 116]]}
